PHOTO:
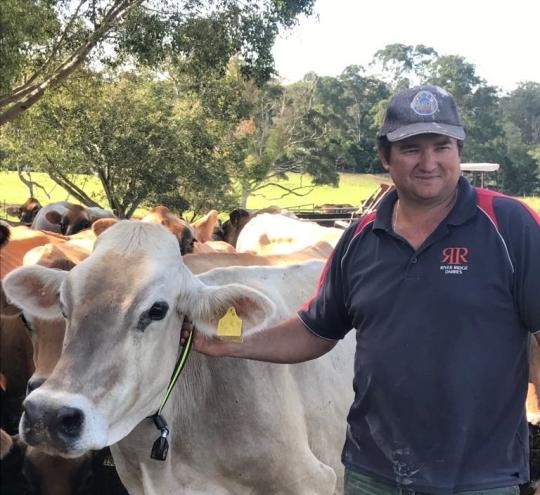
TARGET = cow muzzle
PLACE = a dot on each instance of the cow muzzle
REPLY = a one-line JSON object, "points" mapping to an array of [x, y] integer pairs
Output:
{"points": [[66, 427]]}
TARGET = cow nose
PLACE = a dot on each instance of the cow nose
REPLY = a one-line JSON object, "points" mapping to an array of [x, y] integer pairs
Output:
{"points": [[64, 424], [33, 383]]}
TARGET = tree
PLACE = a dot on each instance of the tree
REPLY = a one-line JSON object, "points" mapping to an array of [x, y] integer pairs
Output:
{"points": [[521, 112], [144, 144], [522, 108], [195, 33], [520, 172], [283, 131], [404, 65], [362, 95]]}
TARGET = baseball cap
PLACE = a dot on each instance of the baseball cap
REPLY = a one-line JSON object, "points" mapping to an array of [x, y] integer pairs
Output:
{"points": [[421, 110]]}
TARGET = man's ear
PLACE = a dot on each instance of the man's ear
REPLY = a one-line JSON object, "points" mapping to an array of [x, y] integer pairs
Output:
{"points": [[35, 289], [209, 305], [382, 157]]}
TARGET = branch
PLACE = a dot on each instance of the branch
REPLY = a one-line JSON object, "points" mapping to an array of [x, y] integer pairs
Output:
{"points": [[63, 181], [131, 210], [56, 46], [113, 201], [29, 183], [32, 94], [287, 190]]}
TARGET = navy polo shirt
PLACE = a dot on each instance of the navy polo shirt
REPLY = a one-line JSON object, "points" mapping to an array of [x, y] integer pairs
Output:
{"points": [[441, 363]]}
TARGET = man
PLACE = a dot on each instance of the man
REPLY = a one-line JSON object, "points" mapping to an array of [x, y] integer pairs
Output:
{"points": [[441, 285]]}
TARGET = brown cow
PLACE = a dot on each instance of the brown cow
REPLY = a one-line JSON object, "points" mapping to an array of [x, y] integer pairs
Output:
{"points": [[204, 227], [178, 226], [16, 365], [200, 263], [25, 212], [21, 240], [5, 233], [74, 250], [43, 474], [6, 441], [238, 218]]}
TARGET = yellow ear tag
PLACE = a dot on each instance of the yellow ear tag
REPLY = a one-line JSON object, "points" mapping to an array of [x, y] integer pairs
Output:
{"points": [[230, 325]]}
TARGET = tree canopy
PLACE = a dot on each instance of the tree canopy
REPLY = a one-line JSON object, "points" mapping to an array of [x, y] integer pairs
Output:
{"points": [[204, 128], [44, 41]]}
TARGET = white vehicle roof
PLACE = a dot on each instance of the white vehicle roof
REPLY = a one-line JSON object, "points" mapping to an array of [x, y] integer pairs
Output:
{"points": [[480, 167]]}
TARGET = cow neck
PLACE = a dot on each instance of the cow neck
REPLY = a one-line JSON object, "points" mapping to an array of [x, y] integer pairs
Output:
{"points": [[161, 445]]}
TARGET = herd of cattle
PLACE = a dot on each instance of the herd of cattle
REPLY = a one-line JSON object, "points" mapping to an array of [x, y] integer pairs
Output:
{"points": [[91, 309]]}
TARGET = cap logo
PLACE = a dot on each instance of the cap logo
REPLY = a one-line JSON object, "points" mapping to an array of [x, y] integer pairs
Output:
{"points": [[424, 103]]}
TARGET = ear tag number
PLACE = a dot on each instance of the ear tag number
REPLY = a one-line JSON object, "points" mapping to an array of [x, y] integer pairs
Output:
{"points": [[230, 325]]}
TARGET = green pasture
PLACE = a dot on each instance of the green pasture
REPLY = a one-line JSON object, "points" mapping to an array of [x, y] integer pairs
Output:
{"points": [[352, 189]]}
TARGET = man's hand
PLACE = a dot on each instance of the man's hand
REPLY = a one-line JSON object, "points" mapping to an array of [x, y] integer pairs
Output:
{"points": [[211, 346]]}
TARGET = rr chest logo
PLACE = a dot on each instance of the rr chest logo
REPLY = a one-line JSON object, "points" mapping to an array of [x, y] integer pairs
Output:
{"points": [[454, 260]]}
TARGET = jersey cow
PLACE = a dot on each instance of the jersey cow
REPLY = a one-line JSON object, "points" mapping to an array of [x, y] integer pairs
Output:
{"points": [[25, 212], [21, 240], [238, 218], [237, 426], [279, 234], [67, 218]]}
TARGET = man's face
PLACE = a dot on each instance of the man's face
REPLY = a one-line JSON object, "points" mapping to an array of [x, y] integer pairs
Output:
{"points": [[424, 168]]}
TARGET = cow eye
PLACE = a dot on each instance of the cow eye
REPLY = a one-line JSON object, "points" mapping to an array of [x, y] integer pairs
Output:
{"points": [[158, 310]]}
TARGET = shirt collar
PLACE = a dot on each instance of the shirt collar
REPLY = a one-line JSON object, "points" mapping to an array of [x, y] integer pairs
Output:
{"points": [[464, 208]]}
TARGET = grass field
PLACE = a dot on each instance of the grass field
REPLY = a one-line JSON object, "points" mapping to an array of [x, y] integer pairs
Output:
{"points": [[353, 189]]}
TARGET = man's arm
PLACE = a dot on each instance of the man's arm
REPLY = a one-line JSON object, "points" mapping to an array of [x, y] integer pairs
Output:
{"points": [[287, 342]]}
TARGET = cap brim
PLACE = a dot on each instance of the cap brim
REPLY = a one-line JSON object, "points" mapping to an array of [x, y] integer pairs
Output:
{"points": [[426, 128]]}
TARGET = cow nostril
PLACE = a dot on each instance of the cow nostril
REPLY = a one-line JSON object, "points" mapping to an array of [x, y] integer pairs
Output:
{"points": [[31, 411], [70, 421], [33, 383]]}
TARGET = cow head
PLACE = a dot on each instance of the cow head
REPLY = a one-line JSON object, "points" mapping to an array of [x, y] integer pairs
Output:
{"points": [[123, 307], [231, 228], [73, 220], [178, 226], [27, 211]]}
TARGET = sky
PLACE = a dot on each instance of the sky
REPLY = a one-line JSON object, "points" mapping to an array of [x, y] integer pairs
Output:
{"points": [[502, 39]]}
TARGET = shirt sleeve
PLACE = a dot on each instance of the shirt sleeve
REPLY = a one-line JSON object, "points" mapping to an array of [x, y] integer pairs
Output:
{"points": [[520, 227], [325, 314]]}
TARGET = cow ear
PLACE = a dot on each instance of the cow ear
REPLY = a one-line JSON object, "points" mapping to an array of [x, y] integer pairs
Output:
{"points": [[236, 215], [54, 217], [14, 211], [7, 310], [35, 289], [101, 225], [207, 307]]}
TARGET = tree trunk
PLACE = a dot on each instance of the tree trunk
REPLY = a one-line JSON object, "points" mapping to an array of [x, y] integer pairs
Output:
{"points": [[244, 196]]}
